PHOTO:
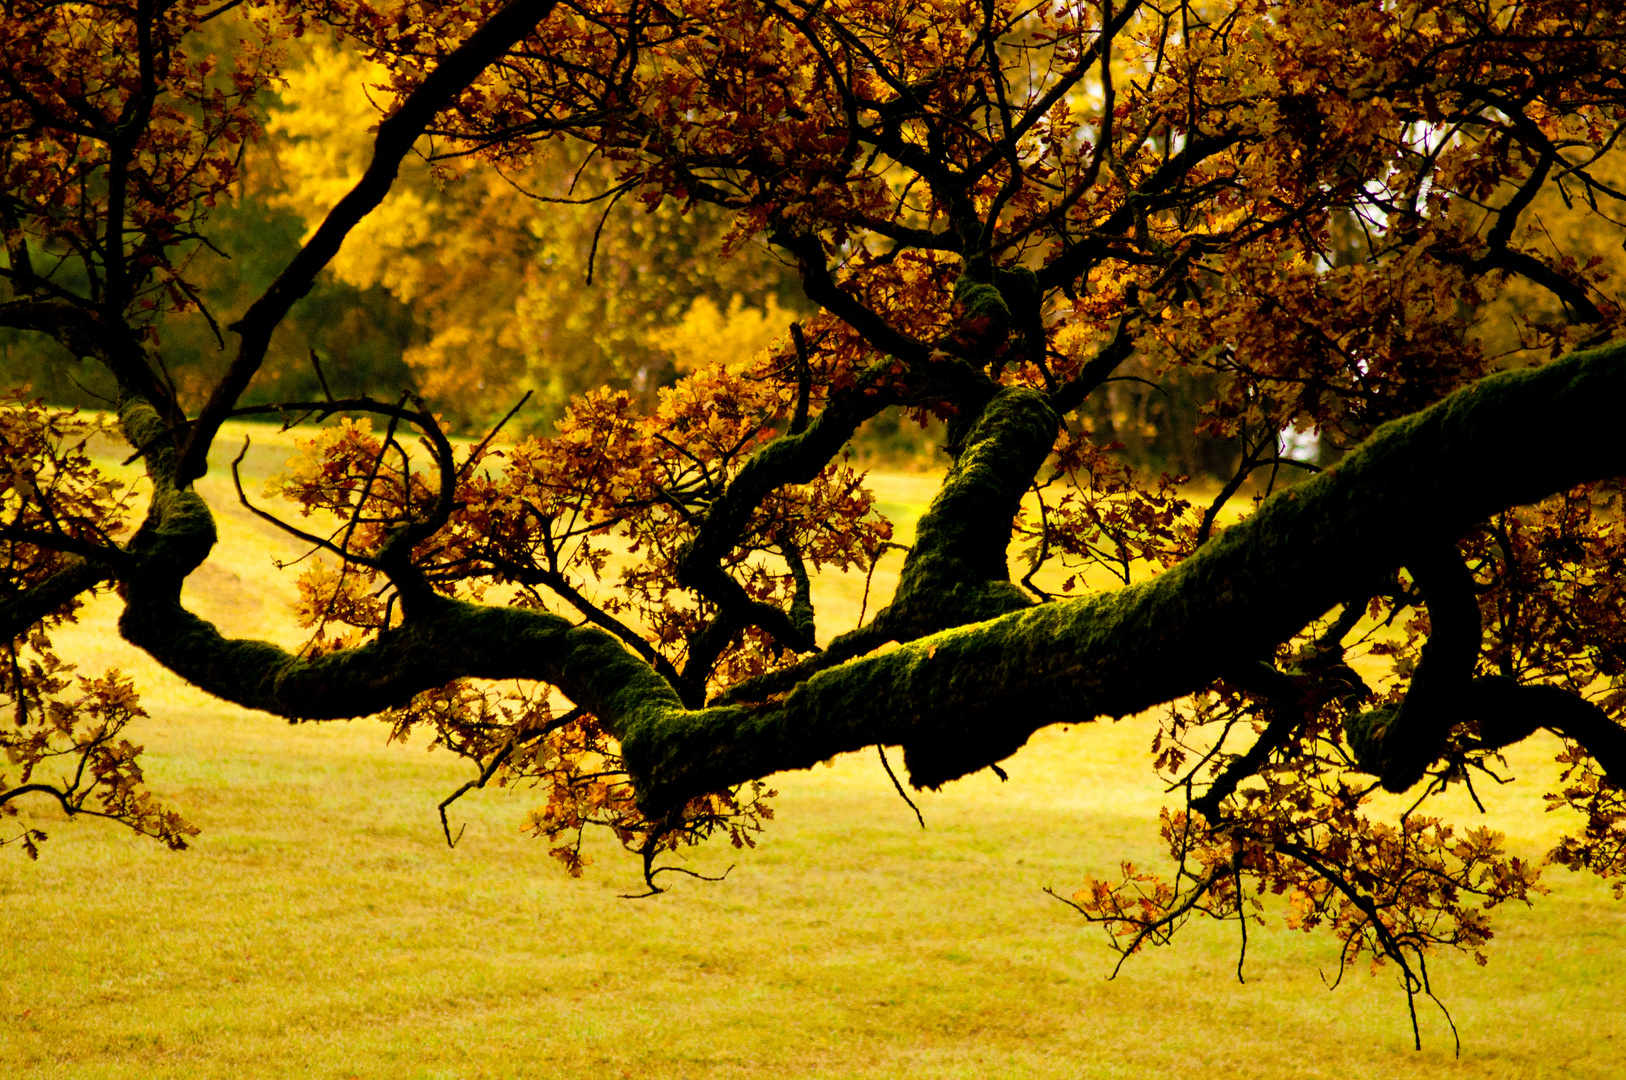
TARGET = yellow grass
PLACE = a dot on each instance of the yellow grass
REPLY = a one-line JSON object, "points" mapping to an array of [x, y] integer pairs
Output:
{"points": [[321, 927]]}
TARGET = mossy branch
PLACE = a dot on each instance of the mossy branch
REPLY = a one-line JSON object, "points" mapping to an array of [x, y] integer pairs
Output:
{"points": [[970, 695]]}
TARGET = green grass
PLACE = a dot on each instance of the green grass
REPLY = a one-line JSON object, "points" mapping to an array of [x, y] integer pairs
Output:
{"points": [[321, 927]]}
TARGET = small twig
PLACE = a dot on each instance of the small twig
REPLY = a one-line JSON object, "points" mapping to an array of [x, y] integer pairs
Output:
{"points": [[1043, 555], [650, 870], [490, 769], [902, 794], [474, 454], [804, 380], [592, 254], [203, 309], [1162, 925], [1250, 461], [309, 538], [1241, 918], [320, 376]]}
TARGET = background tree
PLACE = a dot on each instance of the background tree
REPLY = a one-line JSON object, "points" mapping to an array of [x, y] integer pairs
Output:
{"points": [[535, 273], [1295, 211]]}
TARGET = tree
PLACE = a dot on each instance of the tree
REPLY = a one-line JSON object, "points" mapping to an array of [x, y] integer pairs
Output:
{"points": [[1298, 209]]}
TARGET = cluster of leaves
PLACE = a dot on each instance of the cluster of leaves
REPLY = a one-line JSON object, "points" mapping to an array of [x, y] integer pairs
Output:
{"points": [[1600, 845], [61, 733], [131, 135], [53, 498], [1105, 518], [599, 515], [1552, 600], [1547, 584], [515, 738], [1339, 349], [67, 747], [1299, 830], [1554, 612], [585, 784], [533, 275], [1386, 892]]}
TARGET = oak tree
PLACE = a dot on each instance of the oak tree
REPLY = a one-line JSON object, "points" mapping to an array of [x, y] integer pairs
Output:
{"points": [[1309, 212]]}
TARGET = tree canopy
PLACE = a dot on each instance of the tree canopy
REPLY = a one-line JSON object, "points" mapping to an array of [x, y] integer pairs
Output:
{"points": [[1387, 224]]}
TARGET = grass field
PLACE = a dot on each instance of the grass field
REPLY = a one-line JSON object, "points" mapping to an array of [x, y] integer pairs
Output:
{"points": [[321, 927]]}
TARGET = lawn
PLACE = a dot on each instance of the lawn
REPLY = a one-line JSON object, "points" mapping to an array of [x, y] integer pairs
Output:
{"points": [[321, 927]]}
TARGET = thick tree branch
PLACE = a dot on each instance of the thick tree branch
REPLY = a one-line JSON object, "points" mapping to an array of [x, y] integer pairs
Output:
{"points": [[988, 687], [956, 571], [1426, 715], [1572, 296], [842, 648], [25, 609], [1508, 711], [975, 693], [797, 457]]}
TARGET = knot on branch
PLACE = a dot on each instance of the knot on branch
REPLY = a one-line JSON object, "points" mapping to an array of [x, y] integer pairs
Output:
{"points": [[986, 307], [1019, 286], [934, 762], [1365, 732], [984, 316], [417, 595]]}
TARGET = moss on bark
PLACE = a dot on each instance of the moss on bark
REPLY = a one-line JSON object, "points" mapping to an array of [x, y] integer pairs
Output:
{"points": [[956, 572]]}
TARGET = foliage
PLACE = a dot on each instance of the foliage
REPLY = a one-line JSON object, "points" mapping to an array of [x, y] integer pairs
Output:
{"points": [[1301, 216], [62, 735]]}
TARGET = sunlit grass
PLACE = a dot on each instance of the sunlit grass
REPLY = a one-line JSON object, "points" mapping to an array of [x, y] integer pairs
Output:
{"points": [[321, 927]]}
